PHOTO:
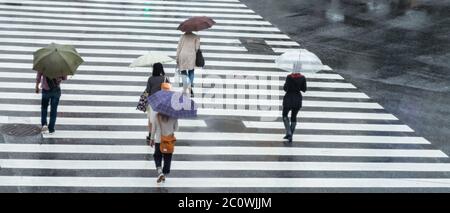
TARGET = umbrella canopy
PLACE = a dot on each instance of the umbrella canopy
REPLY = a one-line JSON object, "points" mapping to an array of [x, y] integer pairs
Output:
{"points": [[299, 60], [173, 104], [196, 23], [150, 58], [56, 60]]}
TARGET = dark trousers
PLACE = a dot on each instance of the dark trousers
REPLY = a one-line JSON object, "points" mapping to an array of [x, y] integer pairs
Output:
{"points": [[158, 156], [293, 114], [50, 97]]}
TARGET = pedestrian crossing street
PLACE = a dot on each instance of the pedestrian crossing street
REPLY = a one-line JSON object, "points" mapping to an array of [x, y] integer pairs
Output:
{"points": [[344, 139]]}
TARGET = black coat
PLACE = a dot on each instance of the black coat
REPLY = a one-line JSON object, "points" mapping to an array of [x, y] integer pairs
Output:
{"points": [[294, 84]]}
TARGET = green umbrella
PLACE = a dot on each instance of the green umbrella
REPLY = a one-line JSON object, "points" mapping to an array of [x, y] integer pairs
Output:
{"points": [[57, 60]]}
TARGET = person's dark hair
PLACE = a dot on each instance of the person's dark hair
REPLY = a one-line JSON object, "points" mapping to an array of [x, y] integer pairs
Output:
{"points": [[163, 117], [158, 69]]}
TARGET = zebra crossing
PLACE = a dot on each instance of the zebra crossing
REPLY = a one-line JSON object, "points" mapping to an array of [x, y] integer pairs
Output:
{"points": [[344, 139]]}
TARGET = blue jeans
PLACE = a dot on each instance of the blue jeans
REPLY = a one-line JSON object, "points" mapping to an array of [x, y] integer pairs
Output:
{"points": [[52, 97], [190, 76]]}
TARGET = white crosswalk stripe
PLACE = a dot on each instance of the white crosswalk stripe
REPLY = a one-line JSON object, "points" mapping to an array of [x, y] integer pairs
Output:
{"points": [[236, 102], [204, 111], [199, 79], [133, 12], [131, 18], [142, 31], [96, 121], [228, 72], [216, 150], [156, 25], [219, 91], [331, 126], [225, 165], [239, 93], [227, 182], [205, 136], [131, 7]]}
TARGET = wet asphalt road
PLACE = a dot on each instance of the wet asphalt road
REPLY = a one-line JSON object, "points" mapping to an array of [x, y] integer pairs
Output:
{"points": [[396, 51]]}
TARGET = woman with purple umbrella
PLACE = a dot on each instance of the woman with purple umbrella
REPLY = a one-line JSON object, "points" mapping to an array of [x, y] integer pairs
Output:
{"points": [[164, 125], [170, 106]]}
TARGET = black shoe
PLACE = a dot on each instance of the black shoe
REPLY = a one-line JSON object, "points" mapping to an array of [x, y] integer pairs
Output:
{"points": [[192, 93], [286, 137]]}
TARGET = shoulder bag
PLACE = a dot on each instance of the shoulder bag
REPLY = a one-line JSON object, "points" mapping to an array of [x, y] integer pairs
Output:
{"points": [[167, 144], [143, 102], [199, 60], [165, 85]]}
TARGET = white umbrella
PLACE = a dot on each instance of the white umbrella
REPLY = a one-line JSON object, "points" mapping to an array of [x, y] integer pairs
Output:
{"points": [[300, 60], [150, 58]]}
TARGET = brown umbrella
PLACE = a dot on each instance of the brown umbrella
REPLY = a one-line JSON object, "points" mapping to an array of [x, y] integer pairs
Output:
{"points": [[196, 23]]}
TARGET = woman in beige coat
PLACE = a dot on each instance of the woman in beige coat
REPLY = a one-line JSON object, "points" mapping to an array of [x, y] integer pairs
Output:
{"points": [[186, 54]]}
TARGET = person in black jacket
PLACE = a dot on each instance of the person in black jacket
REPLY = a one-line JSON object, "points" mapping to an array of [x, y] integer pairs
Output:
{"points": [[154, 85], [292, 101]]}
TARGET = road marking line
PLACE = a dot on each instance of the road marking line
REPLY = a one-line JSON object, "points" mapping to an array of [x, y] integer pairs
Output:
{"points": [[331, 126], [212, 101], [211, 136], [223, 150], [227, 72], [116, 44], [224, 165], [97, 121], [130, 7], [217, 91], [124, 18], [131, 13], [199, 79], [143, 25], [204, 111]]}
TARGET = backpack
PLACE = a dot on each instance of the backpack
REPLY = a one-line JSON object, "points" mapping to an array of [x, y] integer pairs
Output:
{"points": [[52, 83]]}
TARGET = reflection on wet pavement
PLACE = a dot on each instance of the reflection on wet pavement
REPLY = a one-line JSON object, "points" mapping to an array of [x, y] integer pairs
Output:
{"points": [[396, 51]]}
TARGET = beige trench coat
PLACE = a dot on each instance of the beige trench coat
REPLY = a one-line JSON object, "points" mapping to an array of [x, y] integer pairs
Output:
{"points": [[187, 50]]}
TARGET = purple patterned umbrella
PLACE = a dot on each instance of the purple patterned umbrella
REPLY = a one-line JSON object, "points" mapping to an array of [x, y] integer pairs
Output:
{"points": [[173, 104]]}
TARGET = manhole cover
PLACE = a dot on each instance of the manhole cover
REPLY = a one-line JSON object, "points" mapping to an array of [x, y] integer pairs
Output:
{"points": [[256, 45], [226, 124], [20, 130]]}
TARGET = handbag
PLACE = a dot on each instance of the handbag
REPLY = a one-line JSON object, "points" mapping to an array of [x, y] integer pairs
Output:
{"points": [[199, 60], [143, 102], [167, 145], [165, 85], [177, 77]]}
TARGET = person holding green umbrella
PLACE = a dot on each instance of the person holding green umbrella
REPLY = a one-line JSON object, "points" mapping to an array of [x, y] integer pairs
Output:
{"points": [[53, 64]]}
